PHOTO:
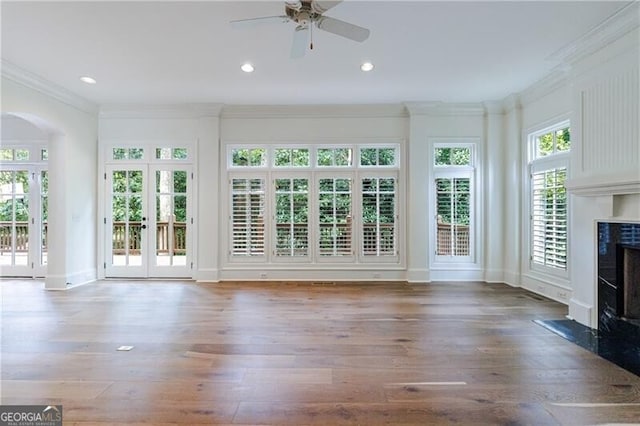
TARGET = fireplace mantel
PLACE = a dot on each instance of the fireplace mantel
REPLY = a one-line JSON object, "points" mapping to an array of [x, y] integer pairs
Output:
{"points": [[596, 186]]}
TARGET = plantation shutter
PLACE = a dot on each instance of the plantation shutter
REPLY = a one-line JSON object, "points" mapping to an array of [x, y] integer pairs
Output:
{"points": [[453, 209], [335, 220], [247, 217], [549, 218], [378, 217], [292, 217]]}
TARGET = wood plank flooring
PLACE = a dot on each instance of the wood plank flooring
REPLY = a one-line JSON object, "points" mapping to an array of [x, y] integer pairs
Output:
{"points": [[298, 353]]}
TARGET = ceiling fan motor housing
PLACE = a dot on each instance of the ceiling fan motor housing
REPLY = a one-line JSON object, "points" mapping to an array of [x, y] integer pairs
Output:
{"points": [[301, 12]]}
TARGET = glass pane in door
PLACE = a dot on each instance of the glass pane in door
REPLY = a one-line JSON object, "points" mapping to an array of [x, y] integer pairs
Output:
{"points": [[14, 218], [44, 205], [171, 217], [127, 216]]}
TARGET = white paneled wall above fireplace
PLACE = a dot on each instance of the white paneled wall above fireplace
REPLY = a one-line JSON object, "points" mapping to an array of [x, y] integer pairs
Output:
{"points": [[605, 165]]}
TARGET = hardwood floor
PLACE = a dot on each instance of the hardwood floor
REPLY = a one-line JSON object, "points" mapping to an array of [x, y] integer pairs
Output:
{"points": [[287, 353]]}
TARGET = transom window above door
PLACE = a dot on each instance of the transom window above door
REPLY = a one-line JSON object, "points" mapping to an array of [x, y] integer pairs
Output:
{"points": [[148, 154], [31, 154]]}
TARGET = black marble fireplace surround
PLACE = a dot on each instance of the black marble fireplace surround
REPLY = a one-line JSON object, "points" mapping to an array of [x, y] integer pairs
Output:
{"points": [[617, 338], [614, 238]]}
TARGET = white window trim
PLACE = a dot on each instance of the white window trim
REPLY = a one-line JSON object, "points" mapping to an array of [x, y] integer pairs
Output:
{"points": [[461, 173], [382, 174], [472, 155], [267, 213], [354, 217], [355, 172], [267, 161], [354, 157], [149, 151], [535, 132], [279, 173], [472, 261], [537, 165], [272, 156], [34, 169], [395, 147], [35, 151]]}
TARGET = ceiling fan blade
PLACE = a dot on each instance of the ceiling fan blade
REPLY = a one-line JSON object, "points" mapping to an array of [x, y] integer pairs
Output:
{"points": [[342, 28], [321, 6], [251, 22], [300, 39]]}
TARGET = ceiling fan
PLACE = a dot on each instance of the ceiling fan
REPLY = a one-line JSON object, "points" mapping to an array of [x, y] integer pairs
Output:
{"points": [[306, 13]]}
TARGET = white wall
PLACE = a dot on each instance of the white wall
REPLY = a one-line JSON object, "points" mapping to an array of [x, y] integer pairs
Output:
{"points": [[513, 184], [72, 135], [17, 130], [432, 123], [312, 123]]}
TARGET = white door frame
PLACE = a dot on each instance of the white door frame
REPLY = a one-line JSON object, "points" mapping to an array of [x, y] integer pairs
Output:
{"points": [[145, 265], [34, 267]]}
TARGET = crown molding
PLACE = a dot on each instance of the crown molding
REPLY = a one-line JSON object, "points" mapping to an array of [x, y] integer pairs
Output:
{"points": [[494, 107], [554, 80], [617, 25], [315, 111], [169, 111], [444, 109], [511, 103], [32, 81], [503, 106]]}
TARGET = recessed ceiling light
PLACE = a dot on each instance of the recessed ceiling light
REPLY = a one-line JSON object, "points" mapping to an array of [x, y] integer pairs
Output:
{"points": [[88, 80], [247, 67], [366, 66]]}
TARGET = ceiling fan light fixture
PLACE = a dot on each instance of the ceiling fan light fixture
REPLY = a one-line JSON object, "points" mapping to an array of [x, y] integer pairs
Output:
{"points": [[247, 67], [366, 66], [88, 80]]}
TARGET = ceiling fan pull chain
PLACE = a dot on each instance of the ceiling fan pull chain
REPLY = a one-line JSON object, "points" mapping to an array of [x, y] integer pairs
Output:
{"points": [[311, 33]]}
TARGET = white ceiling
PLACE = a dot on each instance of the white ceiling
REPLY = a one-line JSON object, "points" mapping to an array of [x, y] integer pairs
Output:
{"points": [[187, 52]]}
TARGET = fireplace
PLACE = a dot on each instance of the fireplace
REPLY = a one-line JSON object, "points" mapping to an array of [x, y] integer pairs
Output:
{"points": [[619, 277]]}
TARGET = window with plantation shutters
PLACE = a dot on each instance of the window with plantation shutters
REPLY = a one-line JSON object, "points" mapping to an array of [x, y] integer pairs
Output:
{"points": [[312, 204], [549, 218], [335, 217], [378, 216], [454, 229], [453, 212], [292, 217], [549, 153], [247, 217]]}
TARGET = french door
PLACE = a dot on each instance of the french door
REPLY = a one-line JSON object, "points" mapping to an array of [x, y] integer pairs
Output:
{"points": [[23, 221], [148, 221]]}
